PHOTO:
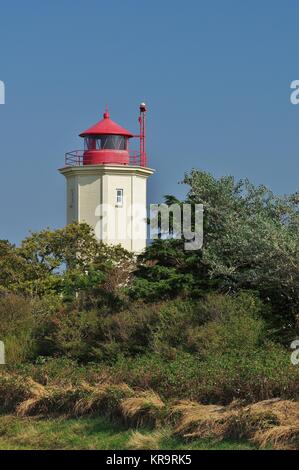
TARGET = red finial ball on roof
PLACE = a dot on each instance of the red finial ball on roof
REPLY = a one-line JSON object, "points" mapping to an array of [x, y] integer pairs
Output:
{"points": [[106, 114]]}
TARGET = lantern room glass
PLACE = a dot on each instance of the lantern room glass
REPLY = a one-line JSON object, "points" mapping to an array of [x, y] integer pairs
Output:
{"points": [[106, 142]]}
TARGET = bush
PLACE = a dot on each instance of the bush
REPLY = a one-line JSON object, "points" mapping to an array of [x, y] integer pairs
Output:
{"points": [[214, 350], [217, 379], [90, 335], [170, 332], [62, 371], [259, 375], [238, 332], [170, 378], [16, 328], [218, 321]]}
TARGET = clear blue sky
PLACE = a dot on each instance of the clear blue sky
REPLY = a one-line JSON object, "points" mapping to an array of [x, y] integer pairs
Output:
{"points": [[215, 75]]}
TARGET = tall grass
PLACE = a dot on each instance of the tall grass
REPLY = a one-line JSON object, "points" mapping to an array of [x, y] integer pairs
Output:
{"points": [[267, 423]]}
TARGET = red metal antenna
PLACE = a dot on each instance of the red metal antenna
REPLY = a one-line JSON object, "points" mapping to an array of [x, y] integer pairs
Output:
{"points": [[142, 122]]}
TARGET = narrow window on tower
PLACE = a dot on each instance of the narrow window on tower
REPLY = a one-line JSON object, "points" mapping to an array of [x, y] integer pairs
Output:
{"points": [[119, 197]]}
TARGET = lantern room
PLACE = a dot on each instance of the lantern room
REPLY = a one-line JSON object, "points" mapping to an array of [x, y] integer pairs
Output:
{"points": [[106, 142]]}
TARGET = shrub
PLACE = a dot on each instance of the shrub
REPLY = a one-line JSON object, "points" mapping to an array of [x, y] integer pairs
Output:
{"points": [[237, 333], [170, 378], [16, 328], [193, 325], [257, 375], [170, 332], [96, 334]]}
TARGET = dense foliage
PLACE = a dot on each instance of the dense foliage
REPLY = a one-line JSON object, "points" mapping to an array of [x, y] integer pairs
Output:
{"points": [[212, 324], [251, 241]]}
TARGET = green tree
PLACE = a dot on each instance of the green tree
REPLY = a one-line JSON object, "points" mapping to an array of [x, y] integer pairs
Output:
{"points": [[66, 262], [251, 241]]}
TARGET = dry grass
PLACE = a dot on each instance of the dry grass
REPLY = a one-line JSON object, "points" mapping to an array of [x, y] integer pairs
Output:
{"points": [[84, 399], [279, 437], [144, 409], [285, 434], [286, 411], [51, 401], [151, 441], [192, 418], [103, 399], [270, 423], [14, 390]]}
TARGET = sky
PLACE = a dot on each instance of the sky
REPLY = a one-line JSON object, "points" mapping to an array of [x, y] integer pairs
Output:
{"points": [[215, 74]]}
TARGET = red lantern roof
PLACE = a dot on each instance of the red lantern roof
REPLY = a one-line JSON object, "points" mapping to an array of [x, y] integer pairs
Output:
{"points": [[106, 126]]}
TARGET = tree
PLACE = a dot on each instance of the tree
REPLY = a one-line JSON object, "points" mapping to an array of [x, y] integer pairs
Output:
{"points": [[251, 241], [65, 262], [12, 266]]}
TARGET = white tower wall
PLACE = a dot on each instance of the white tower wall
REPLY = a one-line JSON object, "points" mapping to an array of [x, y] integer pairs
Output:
{"points": [[92, 198]]}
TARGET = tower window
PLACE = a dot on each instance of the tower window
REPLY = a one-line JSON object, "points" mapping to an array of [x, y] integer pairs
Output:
{"points": [[119, 197]]}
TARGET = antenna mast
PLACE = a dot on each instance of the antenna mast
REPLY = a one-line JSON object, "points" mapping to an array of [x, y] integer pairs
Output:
{"points": [[142, 122]]}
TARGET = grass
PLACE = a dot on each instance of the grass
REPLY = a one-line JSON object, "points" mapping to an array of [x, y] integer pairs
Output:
{"points": [[59, 433], [87, 433], [174, 424], [54, 416]]}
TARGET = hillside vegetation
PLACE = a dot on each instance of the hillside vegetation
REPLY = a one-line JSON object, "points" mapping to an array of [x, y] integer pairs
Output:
{"points": [[204, 328]]}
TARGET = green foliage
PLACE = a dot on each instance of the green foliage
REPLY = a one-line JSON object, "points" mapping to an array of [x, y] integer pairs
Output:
{"points": [[212, 350], [251, 241], [176, 378], [68, 262], [167, 270], [96, 334], [264, 374], [190, 325], [12, 267], [252, 376], [240, 330], [208, 325], [171, 332], [251, 236], [16, 327]]}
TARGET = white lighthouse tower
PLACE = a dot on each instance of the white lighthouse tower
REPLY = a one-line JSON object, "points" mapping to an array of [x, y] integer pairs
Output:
{"points": [[107, 183]]}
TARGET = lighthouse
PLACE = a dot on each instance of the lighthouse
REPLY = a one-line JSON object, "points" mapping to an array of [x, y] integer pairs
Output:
{"points": [[107, 183]]}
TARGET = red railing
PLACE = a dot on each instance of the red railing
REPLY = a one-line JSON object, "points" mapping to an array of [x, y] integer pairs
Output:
{"points": [[75, 158]]}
